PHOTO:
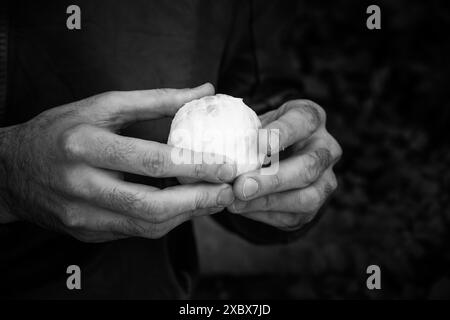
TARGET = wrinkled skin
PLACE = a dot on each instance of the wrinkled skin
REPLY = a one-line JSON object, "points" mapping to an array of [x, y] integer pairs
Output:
{"points": [[292, 197], [63, 170]]}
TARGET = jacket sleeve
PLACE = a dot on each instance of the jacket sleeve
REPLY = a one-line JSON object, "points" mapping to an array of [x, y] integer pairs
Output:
{"points": [[3, 56], [258, 66]]}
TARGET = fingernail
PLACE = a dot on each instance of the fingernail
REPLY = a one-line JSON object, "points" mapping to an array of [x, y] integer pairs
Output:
{"points": [[225, 197], [238, 205], [226, 173], [250, 187]]}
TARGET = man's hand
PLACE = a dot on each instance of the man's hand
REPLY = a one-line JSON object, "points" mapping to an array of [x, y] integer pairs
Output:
{"points": [[305, 179], [63, 169]]}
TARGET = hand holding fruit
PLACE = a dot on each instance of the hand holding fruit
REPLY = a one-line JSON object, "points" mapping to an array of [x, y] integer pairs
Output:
{"points": [[63, 169], [305, 179], [290, 196]]}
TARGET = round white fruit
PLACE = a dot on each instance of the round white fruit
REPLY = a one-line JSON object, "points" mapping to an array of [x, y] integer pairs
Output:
{"points": [[221, 125]]}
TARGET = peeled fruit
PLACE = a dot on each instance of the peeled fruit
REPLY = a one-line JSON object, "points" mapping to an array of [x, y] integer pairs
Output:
{"points": [[222, 125]]}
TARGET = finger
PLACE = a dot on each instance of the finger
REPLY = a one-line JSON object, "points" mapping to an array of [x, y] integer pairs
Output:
{"points": [[268, 117], [168, 226], [113, 109], [305, 201], [84, 222], [148, 203], [295, 172], [139, 228], [104, 149], [93, 224], [95, 236], [295, 121]]}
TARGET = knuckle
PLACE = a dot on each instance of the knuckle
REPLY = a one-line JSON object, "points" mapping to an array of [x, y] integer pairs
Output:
{"points": [[268, 201], [310, 171], [70, 142], [199, 171], [202, 200], [316, 162], [155, 163], [311, 202], [323, 157], [275, 181], [317, 113], [310, 175], [124, 201], [154, 212], [286, 220], [72, 218], [312, 112]]}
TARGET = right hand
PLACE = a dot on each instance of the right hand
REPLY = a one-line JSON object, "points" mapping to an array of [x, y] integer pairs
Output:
{"points": [[63, 169]]}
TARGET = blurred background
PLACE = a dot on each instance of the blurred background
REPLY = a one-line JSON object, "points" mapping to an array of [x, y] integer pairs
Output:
{"points": [[387, 97]]}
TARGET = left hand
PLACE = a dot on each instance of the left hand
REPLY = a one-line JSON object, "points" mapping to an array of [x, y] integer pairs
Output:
{"points": [[305, 178]]}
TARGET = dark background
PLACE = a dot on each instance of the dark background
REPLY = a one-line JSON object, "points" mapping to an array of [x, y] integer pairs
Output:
{"points": [[387, 97]]}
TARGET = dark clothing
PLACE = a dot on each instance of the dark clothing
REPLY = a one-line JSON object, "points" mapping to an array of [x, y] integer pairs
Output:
{"points": [[123, 45]]}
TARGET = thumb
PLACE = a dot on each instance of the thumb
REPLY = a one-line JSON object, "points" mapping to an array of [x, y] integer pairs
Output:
{"points": [[121, 107]]}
